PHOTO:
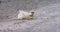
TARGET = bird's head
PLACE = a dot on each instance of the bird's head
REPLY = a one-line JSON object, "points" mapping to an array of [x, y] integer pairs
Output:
{"points": [[32, 12]]}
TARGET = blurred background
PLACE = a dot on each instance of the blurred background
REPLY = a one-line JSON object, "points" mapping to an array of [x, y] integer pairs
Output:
{"points": [[10, 7], [47, 13]]}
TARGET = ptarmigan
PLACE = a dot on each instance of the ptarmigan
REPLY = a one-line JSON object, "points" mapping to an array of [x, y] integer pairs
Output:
{"points": [[25, 15]]}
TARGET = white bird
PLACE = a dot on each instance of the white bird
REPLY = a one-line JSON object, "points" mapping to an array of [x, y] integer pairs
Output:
{"points": [[25, 15]]}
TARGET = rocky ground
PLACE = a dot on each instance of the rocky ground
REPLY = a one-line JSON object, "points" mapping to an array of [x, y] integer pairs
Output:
{"points": [[46, 17]]}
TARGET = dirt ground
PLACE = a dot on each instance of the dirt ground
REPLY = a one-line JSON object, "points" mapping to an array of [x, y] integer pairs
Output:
{"points": [[46, 17]]}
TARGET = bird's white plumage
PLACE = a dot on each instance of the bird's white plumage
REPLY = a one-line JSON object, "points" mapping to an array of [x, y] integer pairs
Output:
{"points": [[24, 14]]}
